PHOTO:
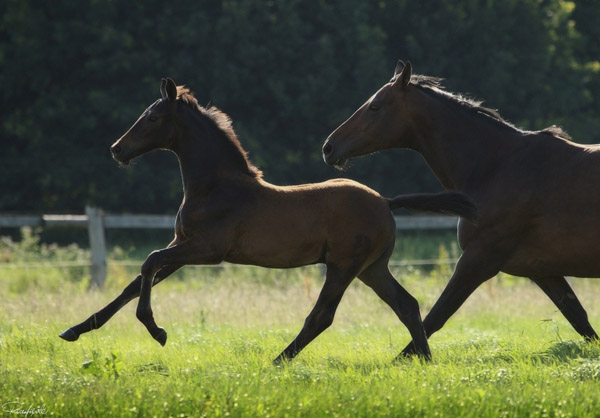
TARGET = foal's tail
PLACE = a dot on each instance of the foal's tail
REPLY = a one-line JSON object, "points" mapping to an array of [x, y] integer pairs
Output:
{"points": [[447, 203]]}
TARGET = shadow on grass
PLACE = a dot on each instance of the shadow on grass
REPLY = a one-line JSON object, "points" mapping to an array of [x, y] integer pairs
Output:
{"points": [[564, 351]]}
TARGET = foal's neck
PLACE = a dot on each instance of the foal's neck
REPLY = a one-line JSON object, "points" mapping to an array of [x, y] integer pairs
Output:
{"points": [[461, 147], [206, 159]]}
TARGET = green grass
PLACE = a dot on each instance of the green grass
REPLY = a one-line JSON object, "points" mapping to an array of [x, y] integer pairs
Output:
{"points": [[507, 352]]}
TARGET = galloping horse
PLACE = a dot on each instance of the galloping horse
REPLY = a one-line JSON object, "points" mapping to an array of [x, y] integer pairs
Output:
{"points": [[537, 192], [229, 213]]}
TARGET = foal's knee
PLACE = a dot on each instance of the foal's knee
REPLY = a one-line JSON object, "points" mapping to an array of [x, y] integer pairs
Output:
{"points": [[151, 265]]}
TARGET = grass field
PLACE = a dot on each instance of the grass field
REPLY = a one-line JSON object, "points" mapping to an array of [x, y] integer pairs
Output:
{"points": [[506, 353]]}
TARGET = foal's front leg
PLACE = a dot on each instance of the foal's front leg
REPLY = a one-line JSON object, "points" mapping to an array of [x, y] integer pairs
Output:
{"points": [[98, 319], [187, 252]]}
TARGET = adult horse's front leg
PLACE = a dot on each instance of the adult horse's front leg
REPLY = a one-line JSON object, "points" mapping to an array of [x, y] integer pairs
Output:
{"points": [[187, 252], [471, 271]]}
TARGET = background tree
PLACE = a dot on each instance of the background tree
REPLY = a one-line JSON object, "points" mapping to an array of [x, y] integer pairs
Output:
{"points": [[76, 75]]}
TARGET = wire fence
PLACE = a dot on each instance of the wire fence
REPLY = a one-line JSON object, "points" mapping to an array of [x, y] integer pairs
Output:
{"points": [[96, 221], [138, 263]]}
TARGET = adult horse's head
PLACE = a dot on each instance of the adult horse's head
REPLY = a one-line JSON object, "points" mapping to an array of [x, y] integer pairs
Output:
{"points": [[377, 124], [154, 129]]}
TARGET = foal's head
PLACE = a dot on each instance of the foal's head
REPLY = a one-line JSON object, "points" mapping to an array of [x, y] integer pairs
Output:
{"points": [[156, 128], [178, 123], [377, 124]]}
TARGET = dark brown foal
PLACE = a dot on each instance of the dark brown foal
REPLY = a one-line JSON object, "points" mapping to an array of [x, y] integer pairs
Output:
{"points": [[229, 213]]}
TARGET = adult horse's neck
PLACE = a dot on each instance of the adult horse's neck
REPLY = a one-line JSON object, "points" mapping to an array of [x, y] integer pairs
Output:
{"points": [[207, 154], [462, 146]]}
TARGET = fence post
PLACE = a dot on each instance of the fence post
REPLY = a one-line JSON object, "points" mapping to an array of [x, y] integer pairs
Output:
{"points": [[97, 246]]}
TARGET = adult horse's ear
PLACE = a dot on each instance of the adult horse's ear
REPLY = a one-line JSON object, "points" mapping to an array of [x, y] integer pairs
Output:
{"points": [[399, 68], [403, 78], [171, 90], [163, 88]]}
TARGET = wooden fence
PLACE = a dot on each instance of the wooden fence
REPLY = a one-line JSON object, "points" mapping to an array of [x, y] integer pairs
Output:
{"points": [[95, 220]]}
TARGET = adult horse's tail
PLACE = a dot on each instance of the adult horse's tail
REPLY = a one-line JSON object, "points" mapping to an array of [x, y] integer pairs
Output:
{"points": [[448, 203]]}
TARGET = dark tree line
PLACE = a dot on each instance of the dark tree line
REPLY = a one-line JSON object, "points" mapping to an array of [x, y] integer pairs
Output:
{"points": [[75, 76]]}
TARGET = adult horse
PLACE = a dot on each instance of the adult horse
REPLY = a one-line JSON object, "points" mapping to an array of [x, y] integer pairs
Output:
{"points": [[229, 213], [537, 191]]}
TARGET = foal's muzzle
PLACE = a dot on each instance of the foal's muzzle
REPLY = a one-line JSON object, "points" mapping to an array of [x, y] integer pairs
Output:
{"points": [[115, 150], [117, 153]]}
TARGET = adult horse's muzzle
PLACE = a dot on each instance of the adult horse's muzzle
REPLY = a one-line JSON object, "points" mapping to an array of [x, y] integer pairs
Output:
{"points": [[332, 157]]}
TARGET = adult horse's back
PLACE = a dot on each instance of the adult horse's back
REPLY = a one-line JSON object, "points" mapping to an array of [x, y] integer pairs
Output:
{"points": [[536, 190]]}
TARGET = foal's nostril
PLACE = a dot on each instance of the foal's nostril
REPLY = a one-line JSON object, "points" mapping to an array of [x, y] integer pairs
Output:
{"points": [[327, 149], [116, 150]]}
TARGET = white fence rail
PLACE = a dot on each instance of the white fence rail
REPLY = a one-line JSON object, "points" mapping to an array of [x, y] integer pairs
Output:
{"points": [[95, 220]]}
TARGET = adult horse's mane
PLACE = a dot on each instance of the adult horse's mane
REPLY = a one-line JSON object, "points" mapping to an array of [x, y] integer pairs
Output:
{"points": [[434, 86], [222, 122]]}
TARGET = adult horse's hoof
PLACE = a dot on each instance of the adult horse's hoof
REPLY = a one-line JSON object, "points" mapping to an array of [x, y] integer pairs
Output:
{"points": [[160, 335], [69, 335], [410, 355]]}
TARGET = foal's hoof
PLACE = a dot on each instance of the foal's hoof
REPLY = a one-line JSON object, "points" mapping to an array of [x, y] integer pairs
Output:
{"points": [[69, 335], [160, 335]]}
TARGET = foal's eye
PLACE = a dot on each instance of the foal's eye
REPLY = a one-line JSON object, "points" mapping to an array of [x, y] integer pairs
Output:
{"points": [[152, 118], [374, 107]]}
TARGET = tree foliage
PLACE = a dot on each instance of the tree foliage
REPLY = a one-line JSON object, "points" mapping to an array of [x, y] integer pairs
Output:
{"points": [[76, 75]]}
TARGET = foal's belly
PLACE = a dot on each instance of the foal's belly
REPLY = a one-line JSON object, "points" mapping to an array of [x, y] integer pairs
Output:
{"points": [[280, 256]]}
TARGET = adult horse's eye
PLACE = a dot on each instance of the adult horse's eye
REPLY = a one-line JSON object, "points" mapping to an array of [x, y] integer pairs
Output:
{"points": [[374, 107], [152, 118]]}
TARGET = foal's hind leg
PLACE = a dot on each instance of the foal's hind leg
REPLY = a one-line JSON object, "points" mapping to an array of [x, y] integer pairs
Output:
{"points": [[131, 292], [472, 269], [321, 316], [559, 291], [378, 277]]}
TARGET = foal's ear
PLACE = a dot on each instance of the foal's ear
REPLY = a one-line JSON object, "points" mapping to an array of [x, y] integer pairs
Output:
{"points": [[403, 78], [171, 90], [399, 68]]}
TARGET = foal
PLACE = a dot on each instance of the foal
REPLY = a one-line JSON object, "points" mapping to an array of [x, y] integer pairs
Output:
{"points": [[229, 213]]}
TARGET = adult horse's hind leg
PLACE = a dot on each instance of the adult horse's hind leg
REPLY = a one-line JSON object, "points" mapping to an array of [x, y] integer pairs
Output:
{"points": [[559, 291], [378, 277], [131, 292], [321, 316]]}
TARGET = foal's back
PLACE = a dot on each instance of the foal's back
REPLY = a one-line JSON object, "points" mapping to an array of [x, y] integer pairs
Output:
{"points": [[304, 224]]}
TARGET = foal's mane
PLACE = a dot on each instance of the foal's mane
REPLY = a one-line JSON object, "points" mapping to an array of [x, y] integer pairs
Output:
{"points": [[222, 122], [433, 85]]}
